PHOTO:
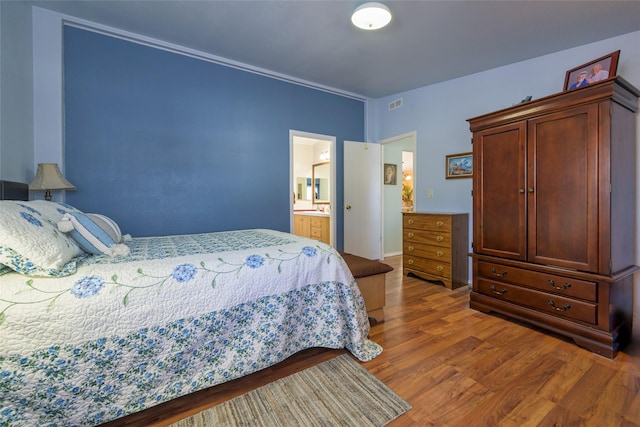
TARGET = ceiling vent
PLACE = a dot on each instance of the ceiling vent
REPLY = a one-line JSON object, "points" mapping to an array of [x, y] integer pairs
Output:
{"points": [[395, 104]]}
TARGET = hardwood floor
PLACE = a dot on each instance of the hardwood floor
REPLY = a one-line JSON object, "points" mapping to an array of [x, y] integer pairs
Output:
{"points": [[459, 367]]}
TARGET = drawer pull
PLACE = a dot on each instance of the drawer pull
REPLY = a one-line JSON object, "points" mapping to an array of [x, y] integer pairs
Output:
{"points": [[439, 238], [559, 288], [439, 253], [563, 308], [440, 268], [410, 248], [410, 234], [495, 273], [497, 292], [410, 221], [410, 261], [439, 223]]}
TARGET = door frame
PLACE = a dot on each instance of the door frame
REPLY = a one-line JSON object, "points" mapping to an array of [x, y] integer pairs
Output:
{"points": [[332, 171]]}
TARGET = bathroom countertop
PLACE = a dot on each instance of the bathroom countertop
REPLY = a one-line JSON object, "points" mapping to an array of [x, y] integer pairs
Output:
{"points": [[311, 213]]}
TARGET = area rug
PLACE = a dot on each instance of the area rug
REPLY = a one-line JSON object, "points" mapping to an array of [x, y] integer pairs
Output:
{"points": [[337, 392]]}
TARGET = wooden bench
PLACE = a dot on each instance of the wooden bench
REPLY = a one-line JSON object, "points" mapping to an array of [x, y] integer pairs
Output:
{"points": [[370, 276]]}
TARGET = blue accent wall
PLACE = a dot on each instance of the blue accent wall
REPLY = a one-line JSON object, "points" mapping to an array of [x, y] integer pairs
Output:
{"points": [[169, 144]]}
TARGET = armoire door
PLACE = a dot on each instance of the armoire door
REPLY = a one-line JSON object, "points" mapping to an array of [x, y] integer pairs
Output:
{"points": [[499, 197], [562, 188]]}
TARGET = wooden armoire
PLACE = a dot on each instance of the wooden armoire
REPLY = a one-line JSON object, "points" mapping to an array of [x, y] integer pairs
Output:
{"points": [[554, 212]]}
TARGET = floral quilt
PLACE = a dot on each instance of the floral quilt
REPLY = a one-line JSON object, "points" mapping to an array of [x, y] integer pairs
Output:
{"points": [[179, 314]]}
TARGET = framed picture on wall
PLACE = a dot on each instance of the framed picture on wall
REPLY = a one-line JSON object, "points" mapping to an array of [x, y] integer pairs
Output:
{"points": [[459, 165], [591, 72], [390, 174]]}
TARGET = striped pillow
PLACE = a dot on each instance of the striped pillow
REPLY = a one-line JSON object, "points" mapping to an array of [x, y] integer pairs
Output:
{"points": [[108, 225], [90, 236]]}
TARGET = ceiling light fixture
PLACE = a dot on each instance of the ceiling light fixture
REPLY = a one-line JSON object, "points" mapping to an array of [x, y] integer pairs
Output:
{"points": [[371, 16]]}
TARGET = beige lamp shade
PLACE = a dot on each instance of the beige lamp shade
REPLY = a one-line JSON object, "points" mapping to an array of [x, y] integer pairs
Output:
{"points": [[48, 177]]}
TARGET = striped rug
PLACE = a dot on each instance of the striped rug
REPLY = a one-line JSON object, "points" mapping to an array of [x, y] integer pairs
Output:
{"points": [[337, 392]]}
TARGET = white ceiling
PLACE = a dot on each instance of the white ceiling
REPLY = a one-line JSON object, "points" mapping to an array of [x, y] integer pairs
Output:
{"points": [[427, 41]]}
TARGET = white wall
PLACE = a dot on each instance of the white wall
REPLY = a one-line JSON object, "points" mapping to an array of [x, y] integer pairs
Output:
{"points": [[438, 114]]}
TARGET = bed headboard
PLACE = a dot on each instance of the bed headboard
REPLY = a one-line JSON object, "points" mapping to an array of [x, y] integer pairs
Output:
{"points": [[10, 190]]}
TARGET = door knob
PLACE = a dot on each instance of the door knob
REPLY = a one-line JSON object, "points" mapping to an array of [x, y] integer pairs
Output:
{"points": [[348, 207]]}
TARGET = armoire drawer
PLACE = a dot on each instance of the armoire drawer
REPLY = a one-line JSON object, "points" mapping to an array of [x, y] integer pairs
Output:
{"points": [[435, 268], [542, 301], [437, 253], [427, 222], [545, 282], [427, 237]]}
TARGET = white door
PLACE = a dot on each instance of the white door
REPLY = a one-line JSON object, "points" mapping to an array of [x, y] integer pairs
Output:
{"points": [[363, 199]]}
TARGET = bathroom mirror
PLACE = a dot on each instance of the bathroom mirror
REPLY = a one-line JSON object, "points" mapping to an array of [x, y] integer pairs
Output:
{"points": [[303, 188], [320, 180]]}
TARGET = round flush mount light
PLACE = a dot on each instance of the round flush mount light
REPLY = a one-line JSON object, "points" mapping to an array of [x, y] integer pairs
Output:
{"points": [[371, 16]]}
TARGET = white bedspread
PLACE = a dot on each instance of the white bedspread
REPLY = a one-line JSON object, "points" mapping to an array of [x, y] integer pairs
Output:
{"points": [[180, 314]]}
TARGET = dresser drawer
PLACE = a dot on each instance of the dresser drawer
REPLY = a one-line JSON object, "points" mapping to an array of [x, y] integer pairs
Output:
{"points": [[545, 282], [549, 303], [428, 222], [435, 268], [426, 237], [437, 253]]}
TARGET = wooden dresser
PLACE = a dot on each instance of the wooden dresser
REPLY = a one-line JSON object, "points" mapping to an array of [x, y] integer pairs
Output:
{"points": [[314, 226], [435, 247], [554, 213]]}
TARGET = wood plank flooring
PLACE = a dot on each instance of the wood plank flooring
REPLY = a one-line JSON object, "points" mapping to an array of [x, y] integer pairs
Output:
{"points": [[459, 367]]}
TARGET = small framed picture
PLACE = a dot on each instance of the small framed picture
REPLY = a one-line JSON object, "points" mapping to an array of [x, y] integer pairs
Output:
{"points": [[591, 72], [390, 174], [459, 165]]}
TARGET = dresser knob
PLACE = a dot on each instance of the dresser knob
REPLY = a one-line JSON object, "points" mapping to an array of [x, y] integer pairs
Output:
{"points": [[563, 308], [439, 238], [410, 221], [439, 253], [439, 223], [440, 268], [410, 234], [498, 292], [495, 272], [559, 288], [410, 248], [410, 261]]}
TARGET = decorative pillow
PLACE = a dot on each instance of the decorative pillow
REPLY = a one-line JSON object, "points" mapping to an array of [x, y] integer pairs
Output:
{"points": [[31, 244], [90, 236], [108, 225]]}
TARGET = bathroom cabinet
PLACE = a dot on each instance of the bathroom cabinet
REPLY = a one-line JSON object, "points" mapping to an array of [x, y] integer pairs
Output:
{"points": [[314, 226]]}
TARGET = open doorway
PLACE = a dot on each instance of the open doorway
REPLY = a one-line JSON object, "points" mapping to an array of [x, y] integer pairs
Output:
{"points": [[401, 196], [313, 186]]}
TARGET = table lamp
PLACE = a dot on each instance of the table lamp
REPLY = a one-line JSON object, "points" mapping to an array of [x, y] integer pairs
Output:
{"points": [[48, 177]]}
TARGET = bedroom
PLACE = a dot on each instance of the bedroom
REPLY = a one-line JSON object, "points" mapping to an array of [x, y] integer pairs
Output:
{"points": [[437, 113]]}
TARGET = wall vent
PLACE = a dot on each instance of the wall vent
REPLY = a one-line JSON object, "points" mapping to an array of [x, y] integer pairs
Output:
{"points": [[395, 104]]}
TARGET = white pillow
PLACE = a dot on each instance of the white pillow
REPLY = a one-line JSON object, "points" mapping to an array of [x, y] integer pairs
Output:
{"points": [[31, 244], [90, 236], [53, 211]]}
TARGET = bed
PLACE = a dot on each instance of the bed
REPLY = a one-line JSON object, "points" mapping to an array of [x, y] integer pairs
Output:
{"points": [[101, 336]]}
